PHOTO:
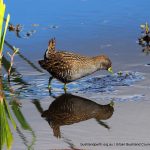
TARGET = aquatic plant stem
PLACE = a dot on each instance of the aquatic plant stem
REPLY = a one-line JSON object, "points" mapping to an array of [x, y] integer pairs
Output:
{"points": [[11, 62]]}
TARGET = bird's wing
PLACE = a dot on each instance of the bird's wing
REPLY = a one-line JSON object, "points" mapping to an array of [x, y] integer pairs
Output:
{"points": [[64, 65], [65, 60], [71, 56]]}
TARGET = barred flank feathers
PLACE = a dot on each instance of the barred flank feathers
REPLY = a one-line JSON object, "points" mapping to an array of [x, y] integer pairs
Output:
{"points": [[43, 64]]}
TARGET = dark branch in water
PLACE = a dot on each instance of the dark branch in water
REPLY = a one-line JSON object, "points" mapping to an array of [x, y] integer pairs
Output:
{"points": [[38, 105], [24, 139], [22, 136], [24, 58]]}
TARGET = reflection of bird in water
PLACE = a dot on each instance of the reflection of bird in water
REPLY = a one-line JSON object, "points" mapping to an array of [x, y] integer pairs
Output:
{"points": [[68, 109], [68, 67]]}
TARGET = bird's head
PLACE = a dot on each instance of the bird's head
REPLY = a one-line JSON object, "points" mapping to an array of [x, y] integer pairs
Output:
{"points": [[104, 63]]}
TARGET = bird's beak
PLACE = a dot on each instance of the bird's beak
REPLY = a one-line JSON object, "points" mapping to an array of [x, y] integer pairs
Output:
{"points": [[110, 70]]}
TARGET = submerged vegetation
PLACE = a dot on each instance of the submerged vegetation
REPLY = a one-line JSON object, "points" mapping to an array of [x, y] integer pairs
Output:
{"points": [[144, 40]]}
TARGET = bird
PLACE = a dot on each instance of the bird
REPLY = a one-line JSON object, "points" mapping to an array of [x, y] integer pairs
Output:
{"points": [[67, 66], [68, 109]]}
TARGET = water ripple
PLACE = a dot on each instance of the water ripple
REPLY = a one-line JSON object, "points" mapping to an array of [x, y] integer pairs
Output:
{"points": [[37, 87], [110, 82]]}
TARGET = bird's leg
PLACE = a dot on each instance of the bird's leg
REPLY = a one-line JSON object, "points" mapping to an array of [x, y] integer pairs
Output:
{"points": [[65, 87], [49, 83]]}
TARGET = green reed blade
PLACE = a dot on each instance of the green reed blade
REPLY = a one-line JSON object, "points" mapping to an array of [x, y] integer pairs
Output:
{"points": [[4, 33], [6, 136], [23, 122], [9, 114], [5, 132], [2, 12], [21, 119]]}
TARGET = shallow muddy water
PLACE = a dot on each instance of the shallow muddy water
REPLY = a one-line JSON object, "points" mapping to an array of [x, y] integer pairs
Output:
{"points": [[87, 27]]}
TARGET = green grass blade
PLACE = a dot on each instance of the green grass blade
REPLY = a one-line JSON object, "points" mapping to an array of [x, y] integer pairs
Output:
{"points": [[2, 11], [24, 124], [5, 132], [4, 33], [9, 114], [21, 119], [6, 136]]}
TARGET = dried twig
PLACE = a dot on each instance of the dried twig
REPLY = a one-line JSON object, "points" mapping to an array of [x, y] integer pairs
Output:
{"points": [[11, 61]]}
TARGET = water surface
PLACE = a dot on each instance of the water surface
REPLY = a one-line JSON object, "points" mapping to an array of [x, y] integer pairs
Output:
{"points": [[88, 27]]}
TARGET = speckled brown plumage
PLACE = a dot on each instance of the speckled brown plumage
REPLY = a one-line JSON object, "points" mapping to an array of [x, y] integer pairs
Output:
{"points": [[68, 109], [67, 66]]}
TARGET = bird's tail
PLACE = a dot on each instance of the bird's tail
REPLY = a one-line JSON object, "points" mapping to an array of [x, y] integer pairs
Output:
{"points": [[45, 113], [51, 44], [51, 48]]}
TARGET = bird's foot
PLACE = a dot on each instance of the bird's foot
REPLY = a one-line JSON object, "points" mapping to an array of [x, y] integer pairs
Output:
{"points": [[65, 88], [49, 88]]}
